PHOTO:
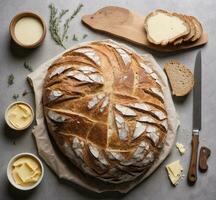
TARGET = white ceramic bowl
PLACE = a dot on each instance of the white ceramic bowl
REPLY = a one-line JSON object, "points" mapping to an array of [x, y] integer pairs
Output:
{"points": [[9, 172], [6, 115]]}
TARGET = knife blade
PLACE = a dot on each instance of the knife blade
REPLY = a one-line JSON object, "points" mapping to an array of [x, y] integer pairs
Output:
{"points": [[197, 99], [197, 113]]}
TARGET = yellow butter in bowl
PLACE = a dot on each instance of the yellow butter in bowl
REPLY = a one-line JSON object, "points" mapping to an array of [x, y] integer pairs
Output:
{"points": [[19, 115], [26, 171]]}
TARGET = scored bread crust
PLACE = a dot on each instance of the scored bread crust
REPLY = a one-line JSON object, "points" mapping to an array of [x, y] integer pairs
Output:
{"points": [[198, 29], [180, 77], [105, 109], [171, 40]]}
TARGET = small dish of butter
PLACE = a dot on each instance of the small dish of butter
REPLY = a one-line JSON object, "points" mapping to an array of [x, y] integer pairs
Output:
{"points": [[25, 171], [19, 115], [28, 30]]}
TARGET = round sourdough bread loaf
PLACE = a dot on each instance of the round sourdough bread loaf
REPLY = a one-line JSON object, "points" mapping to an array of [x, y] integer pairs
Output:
{"points": [[105, 109]]}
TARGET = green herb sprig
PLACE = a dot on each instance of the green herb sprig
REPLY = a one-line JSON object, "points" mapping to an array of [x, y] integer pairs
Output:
{"points": [[16, 96], [67, 22], [28, 66], [84, 36], [57, 34], [75, 38], [10, 79], [25, 92], [54, 24]]}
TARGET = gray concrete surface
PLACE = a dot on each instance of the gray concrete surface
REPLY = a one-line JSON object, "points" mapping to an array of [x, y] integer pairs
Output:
{"points": [[158, 185]]}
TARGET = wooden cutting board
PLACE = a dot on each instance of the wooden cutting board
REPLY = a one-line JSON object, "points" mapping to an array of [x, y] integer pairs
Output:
{"points": [[128, 25]]}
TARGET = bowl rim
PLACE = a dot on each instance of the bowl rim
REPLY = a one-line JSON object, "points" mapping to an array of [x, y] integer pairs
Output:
{"points": [[6, 116], [19, 16], [9, 175]]}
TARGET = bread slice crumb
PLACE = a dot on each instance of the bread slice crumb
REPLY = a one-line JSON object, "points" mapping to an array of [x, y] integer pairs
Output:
{"points": [[180, 77], [163, 27]]}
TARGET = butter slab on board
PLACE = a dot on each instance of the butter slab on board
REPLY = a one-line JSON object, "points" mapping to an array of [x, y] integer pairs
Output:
{"points": [[129, 25]]}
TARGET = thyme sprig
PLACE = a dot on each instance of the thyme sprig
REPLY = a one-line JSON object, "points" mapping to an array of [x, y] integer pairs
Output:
{"points": [[85, 36], [54, 24], [10, 79], [67, 22], [75, 38], [25, 92], [16, 96], [28, 66], [57, 34]]}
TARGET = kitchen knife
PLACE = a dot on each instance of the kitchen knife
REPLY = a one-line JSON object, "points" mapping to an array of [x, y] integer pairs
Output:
{"points": [[192, 173]]}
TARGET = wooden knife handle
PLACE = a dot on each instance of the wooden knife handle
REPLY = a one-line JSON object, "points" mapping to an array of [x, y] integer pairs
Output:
{"points": [[192, 173], [203, 156]]}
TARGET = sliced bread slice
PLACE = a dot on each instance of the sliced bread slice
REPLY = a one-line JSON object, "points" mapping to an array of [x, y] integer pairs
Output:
{"points": [[189, 35], [198, 29], [192, 29], [163, 27], [180, 77]]}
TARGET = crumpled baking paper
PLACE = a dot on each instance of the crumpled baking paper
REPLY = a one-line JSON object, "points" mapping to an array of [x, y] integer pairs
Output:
{"points": [[62, 167]]}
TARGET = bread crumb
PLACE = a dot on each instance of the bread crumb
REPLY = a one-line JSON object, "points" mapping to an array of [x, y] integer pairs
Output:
{"points": [[180, 148]]}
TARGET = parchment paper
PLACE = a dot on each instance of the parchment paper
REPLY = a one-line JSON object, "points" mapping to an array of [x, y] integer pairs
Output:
{"points": [[65, 169]]}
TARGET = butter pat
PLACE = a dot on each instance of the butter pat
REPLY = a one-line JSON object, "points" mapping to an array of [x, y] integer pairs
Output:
{"points": [[26, 171], [175, 172], [19, 115], [16, 177], [31, 163], [181, 148]]}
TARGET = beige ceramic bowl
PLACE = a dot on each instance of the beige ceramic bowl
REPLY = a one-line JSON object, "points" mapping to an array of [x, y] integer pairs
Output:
{"points": [[9, 170], [17, 18], [11, 125]]}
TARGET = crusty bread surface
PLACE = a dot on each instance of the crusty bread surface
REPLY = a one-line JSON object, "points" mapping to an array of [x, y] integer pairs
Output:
{"points": [[104, 107]]}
